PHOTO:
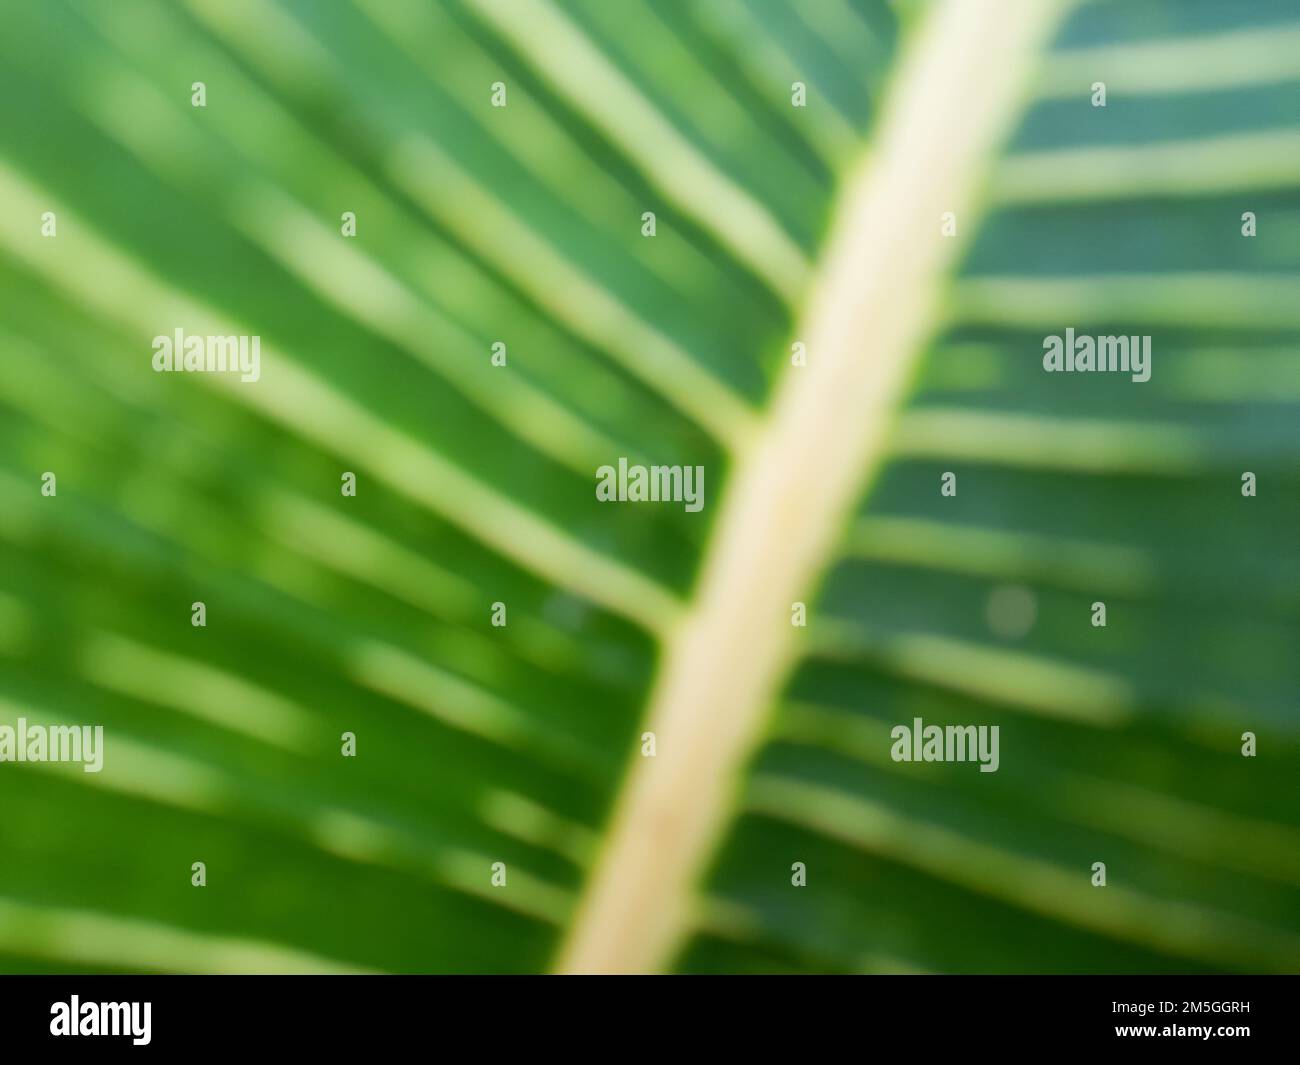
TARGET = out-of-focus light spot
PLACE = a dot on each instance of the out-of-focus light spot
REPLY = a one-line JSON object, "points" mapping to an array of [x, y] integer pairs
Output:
{"points": [[1011, 611]]}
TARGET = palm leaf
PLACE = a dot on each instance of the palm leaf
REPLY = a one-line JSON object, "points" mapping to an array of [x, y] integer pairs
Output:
{"points": [[520, 744]]}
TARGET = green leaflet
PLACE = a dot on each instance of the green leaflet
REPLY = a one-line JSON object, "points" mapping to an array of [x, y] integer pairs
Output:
{"points": [[479, 744]]}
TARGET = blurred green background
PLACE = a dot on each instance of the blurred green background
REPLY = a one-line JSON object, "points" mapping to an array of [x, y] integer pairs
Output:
{"points": [[522, 225]]}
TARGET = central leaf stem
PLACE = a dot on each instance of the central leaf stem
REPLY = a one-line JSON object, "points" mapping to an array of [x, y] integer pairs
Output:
{"points": [[871, 309]]}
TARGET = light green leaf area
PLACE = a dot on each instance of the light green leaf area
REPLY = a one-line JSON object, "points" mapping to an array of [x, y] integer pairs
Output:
{"points": [[521, 744]]}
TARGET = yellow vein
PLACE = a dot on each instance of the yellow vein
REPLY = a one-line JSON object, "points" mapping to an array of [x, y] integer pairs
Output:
{"points": [[871, 311], [1203, 166], [1029, 681], [1006, 553], [137, 116], [771, 72], [138, 671], [300, 526], [1035, 884], [1234, 59], [1178, 826], [593, 86], [1033, 441], [1242, 301], [95, 939], [533, 137], [482, 221], [92, 270], [162, 776]]}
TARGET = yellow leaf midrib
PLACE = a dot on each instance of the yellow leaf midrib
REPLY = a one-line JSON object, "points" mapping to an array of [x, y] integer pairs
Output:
{"points": [[872, 305]]}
